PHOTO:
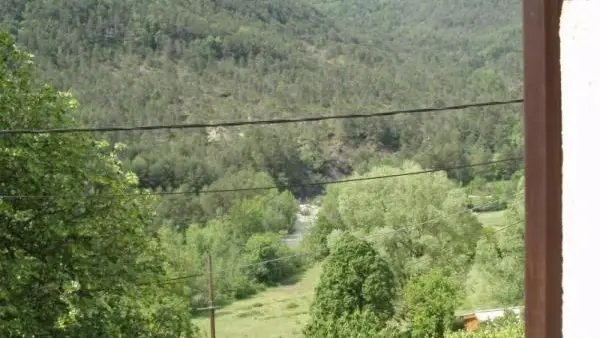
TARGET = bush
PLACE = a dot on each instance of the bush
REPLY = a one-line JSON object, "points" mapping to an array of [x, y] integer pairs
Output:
{"points": [[268, 247], [430, 301], [509, 326]]}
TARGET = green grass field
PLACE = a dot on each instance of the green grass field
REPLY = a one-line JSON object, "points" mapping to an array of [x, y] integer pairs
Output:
{"points": [[279, 312], [282, 312], [493, 218]]}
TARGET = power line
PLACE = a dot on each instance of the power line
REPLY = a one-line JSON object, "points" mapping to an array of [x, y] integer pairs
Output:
{"points": [[311, 294], [178, 279], [306, 253], [507, 226], [279, 300], [256, 122], [303, 295], [312, 184], [237, 313], [414, 226]]}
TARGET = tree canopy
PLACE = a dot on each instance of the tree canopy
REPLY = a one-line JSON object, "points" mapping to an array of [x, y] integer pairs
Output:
{"points": [[75, 233], [419, 222], [356, 286]]}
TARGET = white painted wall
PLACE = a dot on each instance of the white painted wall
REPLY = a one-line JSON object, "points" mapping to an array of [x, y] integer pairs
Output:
{"points": [[494, 313], [580, 71]]}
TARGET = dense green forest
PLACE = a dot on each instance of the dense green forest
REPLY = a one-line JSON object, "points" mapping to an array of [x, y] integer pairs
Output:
{"points": [[134, 62]]}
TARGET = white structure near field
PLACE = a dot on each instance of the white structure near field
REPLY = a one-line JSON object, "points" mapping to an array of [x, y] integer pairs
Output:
{"points": [[471, 320]]}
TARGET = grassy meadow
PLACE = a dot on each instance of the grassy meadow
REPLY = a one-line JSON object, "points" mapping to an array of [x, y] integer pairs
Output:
{"points": [[279, 312]]}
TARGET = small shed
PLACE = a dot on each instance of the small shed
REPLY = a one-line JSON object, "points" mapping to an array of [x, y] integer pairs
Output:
{"points": [[472, 319]]}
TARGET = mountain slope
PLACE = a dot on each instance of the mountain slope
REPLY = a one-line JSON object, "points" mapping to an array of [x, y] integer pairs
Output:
{"points": [[160, 62]]}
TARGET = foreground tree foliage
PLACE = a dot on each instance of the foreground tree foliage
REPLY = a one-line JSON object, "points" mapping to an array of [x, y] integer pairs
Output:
{"points": [[355, 294], [74, 237]]}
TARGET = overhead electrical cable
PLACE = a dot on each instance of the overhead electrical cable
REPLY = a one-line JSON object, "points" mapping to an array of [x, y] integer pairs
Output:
{"points": [[311, 184], [255, 122]]}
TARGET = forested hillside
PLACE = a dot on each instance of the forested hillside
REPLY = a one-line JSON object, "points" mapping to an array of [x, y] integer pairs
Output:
{"points": [[134, 62]]}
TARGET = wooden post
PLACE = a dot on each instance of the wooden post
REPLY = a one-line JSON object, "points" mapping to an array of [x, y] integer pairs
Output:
{"points": [[211, 304], [543, 169]]}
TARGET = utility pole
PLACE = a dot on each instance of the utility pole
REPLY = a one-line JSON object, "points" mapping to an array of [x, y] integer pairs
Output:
{"points": [[211, 304]]}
